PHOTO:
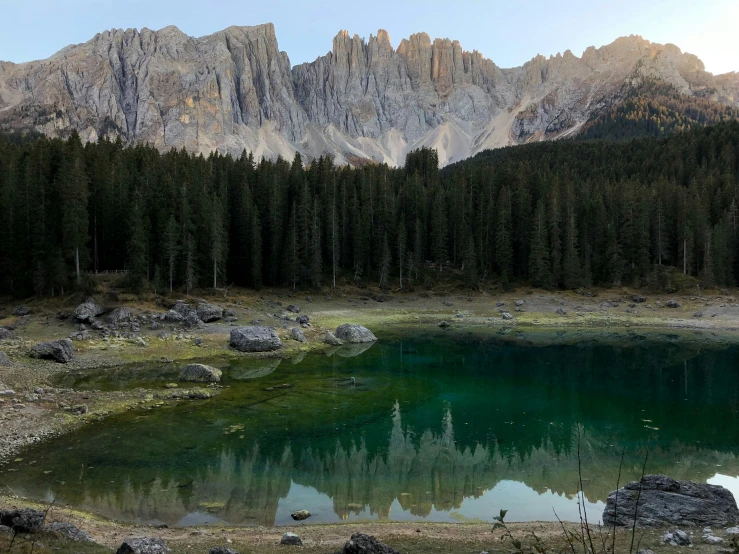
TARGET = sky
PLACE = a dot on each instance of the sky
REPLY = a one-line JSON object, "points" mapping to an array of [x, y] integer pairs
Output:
{"points": [[509, 32]]}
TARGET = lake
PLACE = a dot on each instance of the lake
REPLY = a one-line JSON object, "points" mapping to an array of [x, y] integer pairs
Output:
{"points": [[447, 427]]}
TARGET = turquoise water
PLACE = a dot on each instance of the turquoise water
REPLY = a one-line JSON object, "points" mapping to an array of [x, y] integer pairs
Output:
{"points": [[438, 428]]}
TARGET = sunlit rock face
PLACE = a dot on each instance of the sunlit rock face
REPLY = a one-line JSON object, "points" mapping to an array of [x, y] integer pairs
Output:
{"points": [[363, 101]]}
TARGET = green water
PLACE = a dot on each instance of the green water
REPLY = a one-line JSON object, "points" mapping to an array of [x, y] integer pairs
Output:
{"points": [[439, 428]]}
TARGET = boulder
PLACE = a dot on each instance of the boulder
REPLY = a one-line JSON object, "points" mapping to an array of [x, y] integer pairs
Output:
{"points": [[68, 531], [200, 373], [297, 334], [229, 312], [143, 545], [444, 323], [561, 311], [300, 515], [20, 311], [192, 320], [331, 340], [665, 501], [361, 543], [183, 308], [173, 316], [254, 339], [88, 310], [638, 299], [23, 521], [507, 316], [4, 360], [520, 303], [209, 312], [302, 319], [118, 316], [60, 351], [673, 304], [5, 530], [291, 539], [5, 333], [293, 308], [350, 332]]}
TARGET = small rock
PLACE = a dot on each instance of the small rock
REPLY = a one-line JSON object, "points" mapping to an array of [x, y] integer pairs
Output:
{"points": [[698, 314], [712, 539], [732, 531], [82, 409], [19, 406], [143, 545], [4, 360], [645, 551], [5, 333], [561, 311], [300, 515], [222, 550], [291, 539], [69, 531], [638, 299], [672, 304], [198, 341], [361, 543], [7, 392], [293, 308], [678, 538], [302, 319], [520, 302], [5, 530], [20, 311], [499, 304], [297, 334], [444, 323], [507, 316]]}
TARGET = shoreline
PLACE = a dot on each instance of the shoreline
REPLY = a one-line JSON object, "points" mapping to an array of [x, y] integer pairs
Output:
{"points": [[607, 317]]}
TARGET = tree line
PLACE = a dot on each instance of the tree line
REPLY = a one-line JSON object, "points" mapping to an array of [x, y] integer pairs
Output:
{"points": [[566, 214]]}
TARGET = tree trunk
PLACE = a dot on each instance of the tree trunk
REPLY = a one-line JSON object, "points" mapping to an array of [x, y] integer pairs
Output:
{"points": [[77, 263]]}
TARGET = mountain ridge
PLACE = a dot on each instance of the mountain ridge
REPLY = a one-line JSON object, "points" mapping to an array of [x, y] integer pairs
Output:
{"points": [[364, 101]]}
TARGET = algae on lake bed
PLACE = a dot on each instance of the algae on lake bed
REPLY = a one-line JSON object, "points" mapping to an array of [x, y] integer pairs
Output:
{"points": [[449, 427]]}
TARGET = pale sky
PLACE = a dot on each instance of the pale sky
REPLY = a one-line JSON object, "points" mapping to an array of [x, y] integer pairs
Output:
{"points": [[509, 32]]}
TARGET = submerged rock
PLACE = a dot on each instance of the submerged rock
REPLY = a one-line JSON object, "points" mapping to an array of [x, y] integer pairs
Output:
{"points": [[60, 351], [350, 332], [665, 501], [291, 539], [200, 373], [255, 339], [24, 520], [361, 543], [144, 545], [88, 310]]}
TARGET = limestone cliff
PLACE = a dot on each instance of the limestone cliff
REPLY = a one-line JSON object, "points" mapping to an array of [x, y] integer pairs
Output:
{"points": [[364, 100]]}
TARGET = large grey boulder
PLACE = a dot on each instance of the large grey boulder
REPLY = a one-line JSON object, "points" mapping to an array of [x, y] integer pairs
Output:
{"points": [[118, 316], [5, 333], [254, 338], [331, 339], [60, 351], [360, 543], [143, 545], [25, 520], [209, 312], [20, 311], [350, 332], [200, 373], [88, 310], [297, 334], [173, 316], [665, 501]]}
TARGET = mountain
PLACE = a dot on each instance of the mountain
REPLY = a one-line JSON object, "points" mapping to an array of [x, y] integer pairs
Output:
{"points": [[364, 101]]}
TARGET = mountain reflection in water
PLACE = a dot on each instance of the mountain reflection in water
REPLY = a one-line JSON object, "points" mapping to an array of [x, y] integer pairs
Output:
{"points": [[438, 430]]}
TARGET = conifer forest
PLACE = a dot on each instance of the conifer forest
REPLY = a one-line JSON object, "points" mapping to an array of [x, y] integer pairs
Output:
{"points": [[647, 212]]}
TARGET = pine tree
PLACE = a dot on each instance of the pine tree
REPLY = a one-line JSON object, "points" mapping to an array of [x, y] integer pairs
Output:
{"points": [[539, 262], [74, 195], [171, 248], [385, 260], [136, 245], [503, 243], [470, 262], [439, 247], [402, 247]]}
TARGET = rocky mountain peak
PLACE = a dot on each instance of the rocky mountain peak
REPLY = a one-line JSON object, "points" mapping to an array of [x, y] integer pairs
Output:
{"points": [[364, 100]]}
